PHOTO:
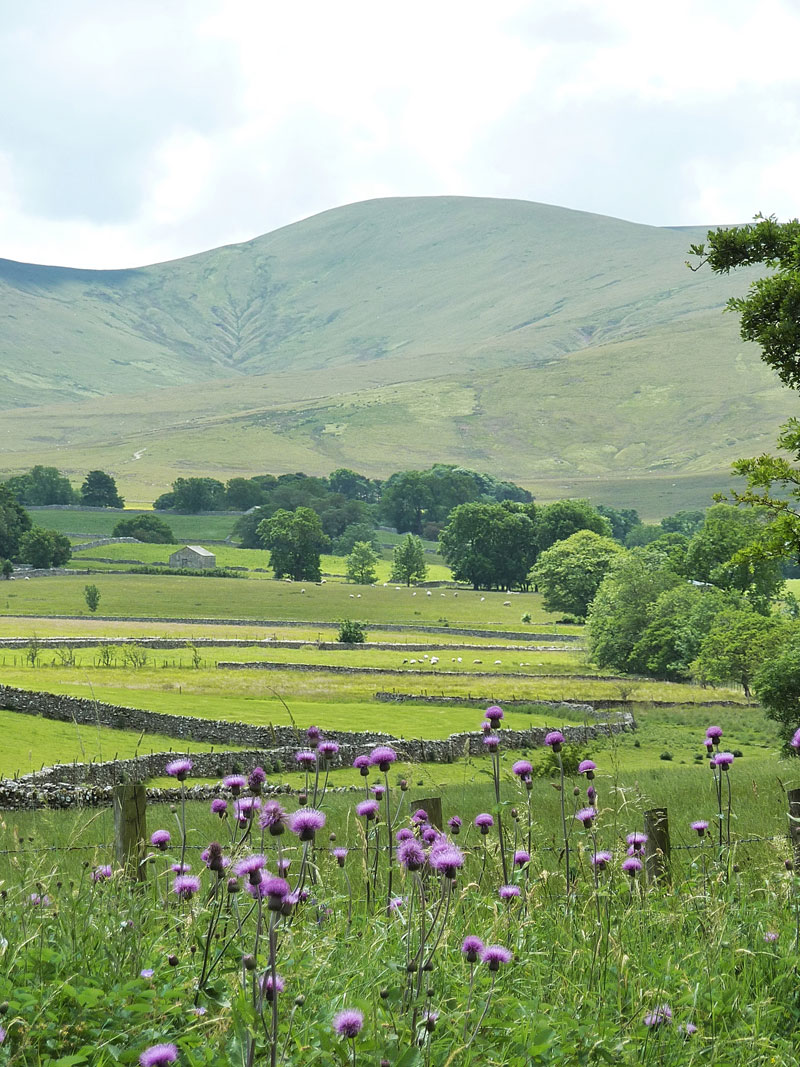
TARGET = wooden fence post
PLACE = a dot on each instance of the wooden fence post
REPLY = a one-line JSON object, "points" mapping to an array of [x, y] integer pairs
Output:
{"points": [[794, 826], [130, 829], [432, 806], [657, 847]]}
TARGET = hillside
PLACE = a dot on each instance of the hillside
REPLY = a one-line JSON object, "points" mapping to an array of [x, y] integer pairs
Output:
{"points": [[547, 345]]}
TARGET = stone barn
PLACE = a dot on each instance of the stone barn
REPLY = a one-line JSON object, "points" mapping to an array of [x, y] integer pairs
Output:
{"points": [[194, 558]]}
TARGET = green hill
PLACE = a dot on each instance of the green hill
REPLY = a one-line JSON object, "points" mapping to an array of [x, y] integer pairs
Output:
{"points": [[562, 349]]}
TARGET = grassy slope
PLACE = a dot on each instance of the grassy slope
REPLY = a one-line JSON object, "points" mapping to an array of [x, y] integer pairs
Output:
{"points": [[437, 324]]}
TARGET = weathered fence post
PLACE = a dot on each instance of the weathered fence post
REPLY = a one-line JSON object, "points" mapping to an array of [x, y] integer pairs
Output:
{"points": [[794, 825], [657, 847], [130, 828], [432, 806]]}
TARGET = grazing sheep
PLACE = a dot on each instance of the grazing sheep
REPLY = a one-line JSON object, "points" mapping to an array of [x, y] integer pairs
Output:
{"points": [[352, 596], [412, 661], [458, 660], [477, 661], [358, 596], [434, 659], [428, 592], [506, 603], [482, 599], [302, 590]]}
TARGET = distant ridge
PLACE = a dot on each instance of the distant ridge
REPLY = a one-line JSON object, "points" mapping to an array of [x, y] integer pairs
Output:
{"points": [[541, 343]]}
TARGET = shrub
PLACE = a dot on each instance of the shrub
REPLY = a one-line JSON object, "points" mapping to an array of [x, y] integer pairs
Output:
{"points": [[351, 632]]}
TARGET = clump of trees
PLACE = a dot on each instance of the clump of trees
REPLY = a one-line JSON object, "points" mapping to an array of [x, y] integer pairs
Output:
{"points": [[148, 528], [295, 541], [408, 561]]}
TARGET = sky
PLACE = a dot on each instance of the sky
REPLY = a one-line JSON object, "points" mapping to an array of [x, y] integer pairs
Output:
{"points": [[137, 132]]}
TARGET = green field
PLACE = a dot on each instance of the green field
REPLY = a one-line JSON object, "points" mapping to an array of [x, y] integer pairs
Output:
{"points": [[85, 524]]}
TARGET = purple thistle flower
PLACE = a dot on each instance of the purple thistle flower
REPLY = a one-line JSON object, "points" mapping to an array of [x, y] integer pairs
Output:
{"points": [[523, 768], [244, 808], [305, 822], [446, 858], [494, 714], [700, 825], [273, 818], [484, 822], [395, 903], [454, 823], [378, 790], [795, 742], [714, 733], [306, 758], [521, 857], [251, 867], [268, 986], [275, 890], [403, 834], [348, 1023], [340, 855], [586, 816], [148, 972], [555, 739], [637, 840], [723, 759], [213, 858], [100, 874], [770, 936], [40, 900], [179, 768], [658, 1016], [587, 767], [256, 779], [369, 809], [472, 947], [185, 886], [328, 749], [486, 726], [591, 792], [601, 860], [491, 742], [160, 838], [382, 757], [430, 835], [234, 782], [429, 1020], [494, 955], [219, 806], [508, 892], [181, 868], [283, 865], [687, 1029], [362, 764], [632, 865], [314, 734], [420, 816], [709, 744], [158, 1055], [411, 855]]}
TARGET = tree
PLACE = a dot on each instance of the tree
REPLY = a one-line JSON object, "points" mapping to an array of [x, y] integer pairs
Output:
{"points": [[569, 573], [42, 486], [351, 632], [147, 528], [776, 684], [14, 522], [737, 645], [295, 541], [353, 486], [91, 594], [491, 546], [405, 499], [6, 569], [562, 518], [683, 522], [44, 548], [622, 520], [193, 495], [99, 490], [241, 494], [361, 564], [408, 561], [357, 531]]}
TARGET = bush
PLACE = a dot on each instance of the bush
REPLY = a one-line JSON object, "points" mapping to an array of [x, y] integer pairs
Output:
{"points": [[147, 528], [351, 632], [666, 756]]}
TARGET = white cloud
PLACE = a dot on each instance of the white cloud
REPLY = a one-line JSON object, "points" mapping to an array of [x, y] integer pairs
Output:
{"points": [[144, 130]]}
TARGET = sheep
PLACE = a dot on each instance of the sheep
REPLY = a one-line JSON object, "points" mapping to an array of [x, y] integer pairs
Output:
{"points": [[302, 590], [498, 663], [434, 659], [352, 596], [506, 603], [428, 593], [458, 660], [482, 599], [477, 661]]}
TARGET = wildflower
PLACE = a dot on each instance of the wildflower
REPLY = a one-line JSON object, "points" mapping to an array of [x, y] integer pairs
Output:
{"points": [[275, 890], [383, 757], [486, 726], [587, 767], [494, 714], [148, 972], [591, 793], [250, 867], [267, 986], [658, 1016], [235, 782], [2, 1035], [446, 858], [700, 825], [283, 865], [306, 758], [420, 816], [709, 745], [555, 739], [179, 768], [362, 764], [160, 838], [586, 816], [306, 822], [770, 935], [521, 857], [484, 822], [348, 1023], [378, 790], [100, 874], [233, 885], [328, 749], [403, 834], [632, 865], [395, 903], [723, 759], [185, 886], [244, 808], [369, 809], [687, 1029], [429, 1020], [454, 824], [40, 900], [273, 818], [637, 841], [795, 742], [523, 768], [314, 735], [219, 806], [494, 955], [411, 855], [472, 947], [430, 834], [491, 742], [157, 1055], [508, 892], [601, 860], [181, 868], [199, 1010], [340, 855], [714, 733], [256, 779]]}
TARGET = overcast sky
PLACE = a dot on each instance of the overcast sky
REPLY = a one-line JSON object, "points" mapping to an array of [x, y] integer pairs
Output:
{"points": [[133, 132]]}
